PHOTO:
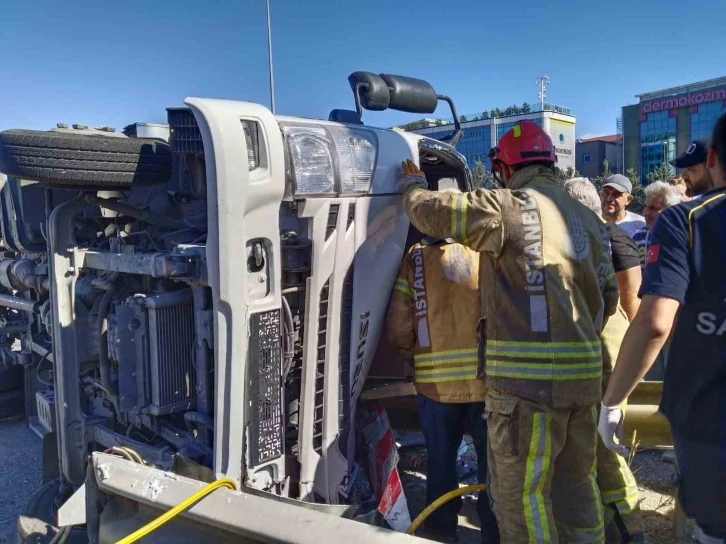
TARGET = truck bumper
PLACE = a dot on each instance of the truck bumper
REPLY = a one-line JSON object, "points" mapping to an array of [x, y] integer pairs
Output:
{"points": [[138, 494]]}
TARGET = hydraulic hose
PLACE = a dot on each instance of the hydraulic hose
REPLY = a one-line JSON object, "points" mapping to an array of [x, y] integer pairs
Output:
{"points": [[178, 509], [438, 502]]}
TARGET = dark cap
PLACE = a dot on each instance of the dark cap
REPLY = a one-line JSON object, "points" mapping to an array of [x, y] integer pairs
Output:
{"points": [[619, 182], [695, 154]]}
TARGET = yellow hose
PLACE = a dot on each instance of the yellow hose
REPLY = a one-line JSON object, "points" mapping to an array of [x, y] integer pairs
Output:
{"points": [[441, 500], [162, 519]]}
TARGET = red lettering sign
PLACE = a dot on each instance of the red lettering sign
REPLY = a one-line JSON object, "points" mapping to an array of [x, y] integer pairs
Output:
{"points": [[690, 99]]}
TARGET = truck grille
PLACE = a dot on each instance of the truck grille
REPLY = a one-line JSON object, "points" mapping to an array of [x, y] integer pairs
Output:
{"points": [[184, 133]]}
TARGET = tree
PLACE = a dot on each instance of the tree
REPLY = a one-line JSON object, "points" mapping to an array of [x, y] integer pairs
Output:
{"points": [[564, 175], [515, 110], [606, 172], [439, 122], [493, 114], [662, 173], [485, 115], [462, 118], [526, 108], [478, 174], [508, 111], [638, 193]]}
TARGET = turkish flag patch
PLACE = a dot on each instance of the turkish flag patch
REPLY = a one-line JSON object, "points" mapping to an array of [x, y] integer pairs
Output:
{"points": [[653, 252]]}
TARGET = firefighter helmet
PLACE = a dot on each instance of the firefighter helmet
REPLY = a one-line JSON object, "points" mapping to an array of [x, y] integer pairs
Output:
{"points": [[524, 142]]}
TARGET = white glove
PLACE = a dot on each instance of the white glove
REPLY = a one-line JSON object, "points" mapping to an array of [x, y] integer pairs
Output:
{"points": [[610, 427], [412, 175]]}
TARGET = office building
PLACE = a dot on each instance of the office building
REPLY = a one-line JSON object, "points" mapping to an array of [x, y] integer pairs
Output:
{"points": [[482, 132], [662, 124], [591, 154]]}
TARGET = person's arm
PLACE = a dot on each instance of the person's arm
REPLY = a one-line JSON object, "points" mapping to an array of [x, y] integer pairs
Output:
{"points": [[473, 219], [400, 325], [640, 348], [628, 272], [628, 286], [667, 276]]}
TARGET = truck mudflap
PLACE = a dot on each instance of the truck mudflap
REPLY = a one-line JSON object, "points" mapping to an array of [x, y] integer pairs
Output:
{"points": [[137, 494]]}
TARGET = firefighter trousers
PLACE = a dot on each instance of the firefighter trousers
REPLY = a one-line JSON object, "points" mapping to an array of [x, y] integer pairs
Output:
{"points": [[542, 471]]}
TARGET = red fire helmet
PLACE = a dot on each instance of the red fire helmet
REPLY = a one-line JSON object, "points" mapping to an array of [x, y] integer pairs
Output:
{"points": [[525, 142]]}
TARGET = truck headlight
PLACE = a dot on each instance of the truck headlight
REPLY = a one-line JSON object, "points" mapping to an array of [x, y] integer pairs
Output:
{"points": [[330, 159]]}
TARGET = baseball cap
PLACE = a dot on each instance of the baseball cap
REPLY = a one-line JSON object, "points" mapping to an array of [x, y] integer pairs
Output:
{"points": [[695, 154], [619, 182]]}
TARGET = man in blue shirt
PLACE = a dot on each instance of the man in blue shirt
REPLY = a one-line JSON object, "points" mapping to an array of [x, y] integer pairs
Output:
{"points": [[684, 275]]}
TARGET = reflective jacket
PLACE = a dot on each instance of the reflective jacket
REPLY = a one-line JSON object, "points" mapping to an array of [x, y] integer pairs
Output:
{"points": [[547, 282], [432, 319]]}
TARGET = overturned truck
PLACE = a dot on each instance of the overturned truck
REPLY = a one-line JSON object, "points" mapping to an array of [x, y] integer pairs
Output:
{"points": [[207, 307]]}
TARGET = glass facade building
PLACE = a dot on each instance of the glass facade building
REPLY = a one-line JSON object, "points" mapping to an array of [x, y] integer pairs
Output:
{"points": [[483, 134], [662, 125]]}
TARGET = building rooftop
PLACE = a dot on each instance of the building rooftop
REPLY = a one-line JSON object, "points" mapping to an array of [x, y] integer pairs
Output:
{"points": [[606, 138], [683, 88]]}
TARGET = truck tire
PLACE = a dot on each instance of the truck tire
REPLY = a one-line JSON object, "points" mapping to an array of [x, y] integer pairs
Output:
{"points": [[11, 377], [61, 158], [37, 520], [12, 404]]}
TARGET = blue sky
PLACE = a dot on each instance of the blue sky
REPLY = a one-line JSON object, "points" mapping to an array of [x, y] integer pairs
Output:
{"points": [[113, 63]]}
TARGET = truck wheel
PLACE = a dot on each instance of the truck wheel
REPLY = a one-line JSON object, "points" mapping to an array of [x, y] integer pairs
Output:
{"points": [[61, 158], [12, 404], [11, 377], [37, 521]]}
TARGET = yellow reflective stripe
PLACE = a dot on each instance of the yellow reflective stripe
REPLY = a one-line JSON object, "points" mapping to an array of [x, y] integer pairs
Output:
{"points": [[544, 371], [446, 379], [545, 355], [433, 371], [446, 375], [442, 354], [594, 344], [403, 286], [537, 466], [425, 364], [459, 211], [690, 216], [464, 230]]}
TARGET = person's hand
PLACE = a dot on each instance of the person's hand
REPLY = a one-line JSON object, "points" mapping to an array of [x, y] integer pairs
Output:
{"points": [[610, 427], [412, 175]]}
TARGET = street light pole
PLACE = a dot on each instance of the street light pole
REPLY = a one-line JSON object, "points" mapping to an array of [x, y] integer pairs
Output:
{"points": [[269, 58]]}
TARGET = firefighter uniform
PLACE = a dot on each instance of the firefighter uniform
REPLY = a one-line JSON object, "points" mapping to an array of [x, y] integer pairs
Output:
{"points": [[618, 488], [546, 285], [432, 319]]}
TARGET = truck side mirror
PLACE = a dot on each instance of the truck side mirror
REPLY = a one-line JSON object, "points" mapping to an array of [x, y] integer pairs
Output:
{"points": [[410, 95]]}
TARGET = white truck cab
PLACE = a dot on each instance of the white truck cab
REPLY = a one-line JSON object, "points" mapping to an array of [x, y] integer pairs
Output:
{"points": [[212, 309]]}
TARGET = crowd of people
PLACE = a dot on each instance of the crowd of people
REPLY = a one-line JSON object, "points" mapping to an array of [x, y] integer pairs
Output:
{"points": [[531, 312]]}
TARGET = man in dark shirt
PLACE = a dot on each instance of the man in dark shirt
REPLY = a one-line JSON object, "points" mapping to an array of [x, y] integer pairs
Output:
{"points": [[684, 275]]}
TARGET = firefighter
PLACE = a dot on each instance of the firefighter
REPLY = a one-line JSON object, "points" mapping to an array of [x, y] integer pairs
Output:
{"points": [[441, 338], [546, 284]]}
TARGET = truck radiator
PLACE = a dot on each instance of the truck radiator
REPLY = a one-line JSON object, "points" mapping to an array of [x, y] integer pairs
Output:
{"points": [[171, 339]]}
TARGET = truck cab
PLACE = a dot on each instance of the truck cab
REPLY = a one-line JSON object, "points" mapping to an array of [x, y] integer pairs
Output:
{"points": [[209, 307]]}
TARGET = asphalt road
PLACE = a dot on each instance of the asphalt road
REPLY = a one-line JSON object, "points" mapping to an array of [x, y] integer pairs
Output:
{"points": [[19, 474]]}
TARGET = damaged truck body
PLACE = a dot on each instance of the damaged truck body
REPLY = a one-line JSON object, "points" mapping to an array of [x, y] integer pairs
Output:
{"points": [[207, 307]]}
